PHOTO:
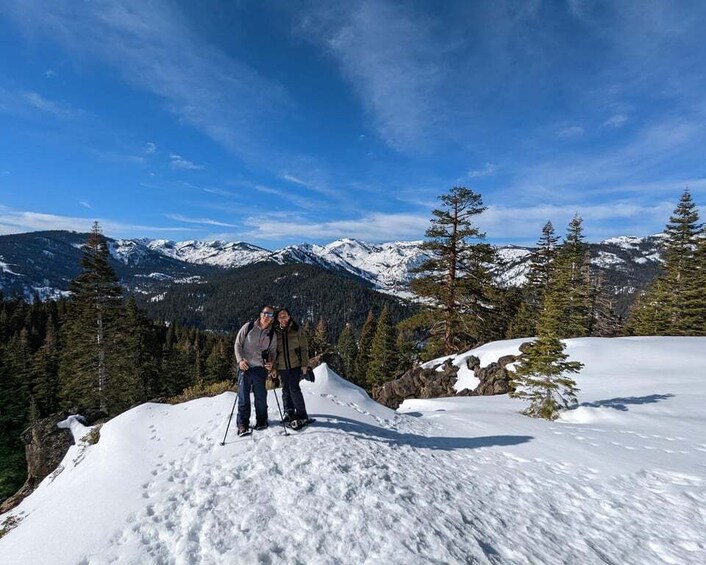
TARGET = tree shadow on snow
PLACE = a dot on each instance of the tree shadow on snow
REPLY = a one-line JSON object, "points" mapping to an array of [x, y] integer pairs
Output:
{"points": [[392, 437], [623, 403]]}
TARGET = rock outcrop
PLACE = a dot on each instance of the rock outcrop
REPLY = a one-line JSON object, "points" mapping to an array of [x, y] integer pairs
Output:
{"points": [[46, 445], [418, 382]]}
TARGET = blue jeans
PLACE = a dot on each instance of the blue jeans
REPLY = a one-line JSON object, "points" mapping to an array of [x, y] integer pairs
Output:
{"points": [[252, 380], [292, 399]]}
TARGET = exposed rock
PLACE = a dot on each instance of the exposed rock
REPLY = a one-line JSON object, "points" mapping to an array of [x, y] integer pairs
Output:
{"points": [[494, 379], [418, 382], [524, 347], [472, 362], [45, 447], [505, 360]]}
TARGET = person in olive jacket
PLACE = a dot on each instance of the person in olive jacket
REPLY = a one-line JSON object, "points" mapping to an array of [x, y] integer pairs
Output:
{"points": [[292, 364]]}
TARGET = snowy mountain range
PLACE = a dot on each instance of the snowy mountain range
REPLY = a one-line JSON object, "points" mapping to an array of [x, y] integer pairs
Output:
{"points": [[618, 479], [44, 262]]}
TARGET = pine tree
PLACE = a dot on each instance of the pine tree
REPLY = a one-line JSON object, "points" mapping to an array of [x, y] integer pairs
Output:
{"points": [[541, 374], [363, 358], [348, 350], [570, 283], [45, 375], [455, 278], [672, 305], [539, 276], [320, 340], [89, 335], [383, 355]]}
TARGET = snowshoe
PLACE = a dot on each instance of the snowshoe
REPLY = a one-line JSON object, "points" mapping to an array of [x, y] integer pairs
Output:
{"points": [[300, 423], [244, 431], [262, 425]]}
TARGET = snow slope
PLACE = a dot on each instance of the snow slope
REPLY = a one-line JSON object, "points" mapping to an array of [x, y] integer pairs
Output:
{"points": [[621, 479]]}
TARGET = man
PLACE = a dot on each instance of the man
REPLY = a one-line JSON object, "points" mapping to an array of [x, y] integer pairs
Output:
{"points": [[255, 351]]}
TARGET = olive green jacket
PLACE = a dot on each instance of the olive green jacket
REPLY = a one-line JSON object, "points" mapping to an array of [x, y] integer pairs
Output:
{"points": [[292, 347]]}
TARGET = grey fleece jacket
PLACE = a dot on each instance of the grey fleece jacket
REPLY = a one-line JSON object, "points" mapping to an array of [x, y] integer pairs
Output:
{"points": [[251, 347]]}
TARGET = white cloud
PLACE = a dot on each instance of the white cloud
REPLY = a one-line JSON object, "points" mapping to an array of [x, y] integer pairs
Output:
{"points": [[153, 47], [150, 148], [50, 73], [202, 221], [488, 170], [16, 221], [84, 204], [389, 56], [616, 121], [26, 102], [178, 162], [373, 227], [570, 132]]}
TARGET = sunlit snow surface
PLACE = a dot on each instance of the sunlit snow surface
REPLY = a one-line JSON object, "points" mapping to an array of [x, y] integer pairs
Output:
{"points": [[621, 479]]}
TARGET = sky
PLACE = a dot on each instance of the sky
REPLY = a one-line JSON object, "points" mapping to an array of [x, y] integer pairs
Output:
{"points": [[280, 122]]}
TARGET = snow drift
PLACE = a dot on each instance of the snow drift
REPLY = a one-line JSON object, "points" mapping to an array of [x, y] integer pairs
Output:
{"points": [[619, 479]]}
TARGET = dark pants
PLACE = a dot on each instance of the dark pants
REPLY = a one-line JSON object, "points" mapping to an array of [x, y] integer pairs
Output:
{"points": [[292, 398], [252, 380]]}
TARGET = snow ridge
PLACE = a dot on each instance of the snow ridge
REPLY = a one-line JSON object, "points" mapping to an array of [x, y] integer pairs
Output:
{"points": [[453, 480]]}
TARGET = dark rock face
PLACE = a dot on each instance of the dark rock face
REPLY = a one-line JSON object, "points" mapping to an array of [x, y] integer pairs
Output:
{"points": [[45, 447], [418, 383], [494, 378]]}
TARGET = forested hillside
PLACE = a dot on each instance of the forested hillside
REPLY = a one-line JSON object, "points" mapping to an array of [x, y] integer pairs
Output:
{"points": [[233, 297]]}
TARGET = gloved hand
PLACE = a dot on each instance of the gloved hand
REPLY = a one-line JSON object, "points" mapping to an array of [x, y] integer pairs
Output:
{"points": [[308, 374]]}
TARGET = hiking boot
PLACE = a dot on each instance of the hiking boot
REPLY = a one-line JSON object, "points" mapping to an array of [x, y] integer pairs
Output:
{"points": [[261, 425], [243, 430]]}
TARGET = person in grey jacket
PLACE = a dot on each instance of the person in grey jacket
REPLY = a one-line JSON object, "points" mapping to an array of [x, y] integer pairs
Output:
{"points": [[255, 352]]}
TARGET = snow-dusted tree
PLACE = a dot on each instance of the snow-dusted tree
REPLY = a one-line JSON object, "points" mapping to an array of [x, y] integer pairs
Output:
{"points": [[455, 279], [541, 376]]}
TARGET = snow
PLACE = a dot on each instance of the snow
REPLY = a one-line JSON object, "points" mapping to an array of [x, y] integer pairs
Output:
{"points": [[627, 242], [5, 267], [454, 480]]}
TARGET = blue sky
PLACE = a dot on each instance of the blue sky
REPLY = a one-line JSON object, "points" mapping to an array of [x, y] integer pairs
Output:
{"points": [[283, 122]]}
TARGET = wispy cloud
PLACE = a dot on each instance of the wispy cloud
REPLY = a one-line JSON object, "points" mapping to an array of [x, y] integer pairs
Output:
{"points": [[372, 227], [84, 204], [154, 48], [507, 223], [23, 102], [113, 156], [389, 56], [200, 221], [179, 163], [488, 169], [570, 132], [150, 148], [16, 221], [50, 73], [616, 121]]}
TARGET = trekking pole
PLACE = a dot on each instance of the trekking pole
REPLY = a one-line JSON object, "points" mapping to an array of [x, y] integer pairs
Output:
{"points": [[281, 415], [230, 417]]}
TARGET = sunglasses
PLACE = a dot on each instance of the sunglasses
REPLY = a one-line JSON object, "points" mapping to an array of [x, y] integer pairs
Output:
{"points": [[268, 314]]}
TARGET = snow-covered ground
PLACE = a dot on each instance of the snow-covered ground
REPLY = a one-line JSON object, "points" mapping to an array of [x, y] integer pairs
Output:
{"points": [[621, 479]]}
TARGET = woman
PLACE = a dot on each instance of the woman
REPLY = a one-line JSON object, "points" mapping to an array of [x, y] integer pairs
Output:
{"points": [[292, 363]]}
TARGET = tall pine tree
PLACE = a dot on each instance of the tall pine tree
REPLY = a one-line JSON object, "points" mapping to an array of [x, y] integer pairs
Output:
{"points": [[673, 303], [348, 350], [91, 374], [455, 278], [383, 354]]}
